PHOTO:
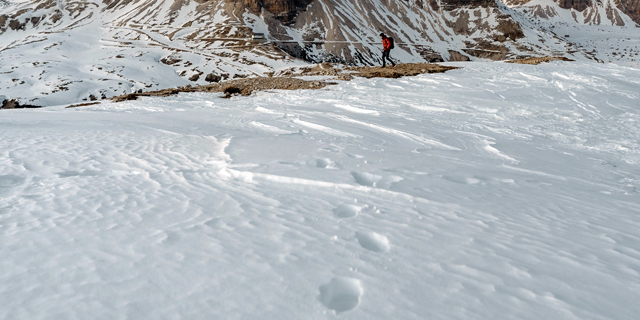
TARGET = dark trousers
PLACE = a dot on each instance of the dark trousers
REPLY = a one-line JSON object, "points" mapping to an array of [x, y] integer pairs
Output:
{"points": [[385, 55]]}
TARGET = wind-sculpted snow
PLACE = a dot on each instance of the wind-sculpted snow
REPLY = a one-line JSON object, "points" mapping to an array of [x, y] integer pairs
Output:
{"points": [[494, 191]]}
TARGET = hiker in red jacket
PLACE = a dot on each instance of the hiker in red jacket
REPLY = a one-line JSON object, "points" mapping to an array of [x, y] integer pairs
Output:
{"points": [[387, 45]]}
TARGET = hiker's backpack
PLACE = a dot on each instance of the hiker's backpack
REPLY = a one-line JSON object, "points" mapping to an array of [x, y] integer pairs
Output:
{"points": [[391, 42]]}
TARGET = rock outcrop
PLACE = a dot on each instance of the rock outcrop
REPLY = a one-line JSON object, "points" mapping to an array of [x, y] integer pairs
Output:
{"points": [[631, 8], [14, 104], [283, 10], [456, 4], [578, 5]]}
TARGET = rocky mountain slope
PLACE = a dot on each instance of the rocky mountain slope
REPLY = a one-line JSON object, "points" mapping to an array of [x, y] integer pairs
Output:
{"points": [[65, 51]]}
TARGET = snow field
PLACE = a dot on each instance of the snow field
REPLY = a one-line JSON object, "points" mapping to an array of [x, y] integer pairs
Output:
{"points": [[491, 191]]}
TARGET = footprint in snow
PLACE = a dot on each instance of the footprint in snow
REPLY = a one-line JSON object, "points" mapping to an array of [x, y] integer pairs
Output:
{"points": [[341, 294], [373, 180], [373, 241], [346, 210], [366, 179], [322, 163]]}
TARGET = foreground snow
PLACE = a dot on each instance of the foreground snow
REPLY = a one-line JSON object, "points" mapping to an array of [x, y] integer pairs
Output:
{"points": [[496, 191]]}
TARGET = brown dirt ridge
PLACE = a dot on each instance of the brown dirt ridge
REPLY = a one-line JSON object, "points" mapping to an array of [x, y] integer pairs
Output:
{"points": [[538, 60], [286, 80]]}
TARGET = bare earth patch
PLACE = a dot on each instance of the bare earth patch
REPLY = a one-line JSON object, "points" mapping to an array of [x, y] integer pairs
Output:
{"points": [[400, 70], [232, 87], [538, 60], [285, 80], [82, 104]]}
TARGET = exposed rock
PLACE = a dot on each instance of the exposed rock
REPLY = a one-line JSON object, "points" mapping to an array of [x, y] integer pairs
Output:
{"points": [[510, 29], [431, 56], [212, 78], [82, 104], [486, 54], [14, 104], [461, 25], [538, 60], [321, 69], [16, 25], [578, 5], [232, 87], [487, 50], [10, 104], [452, 4], [231, 91], [631, 8], [247, 86], [457, 56], [283, 10], [170, 60], [515, 2], [56, 17], [434, 5], [399, 70], [35, 21], [278, 6]]}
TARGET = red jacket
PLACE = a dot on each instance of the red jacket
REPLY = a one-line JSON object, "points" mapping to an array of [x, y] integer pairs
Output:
{"points": [[386, 43]]}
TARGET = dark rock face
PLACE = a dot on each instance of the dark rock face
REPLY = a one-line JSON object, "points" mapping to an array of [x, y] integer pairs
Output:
{"points": [[252, 5], [457, 56], [453, 4], [510, 30], [16, 25], [14, 104], [212, 78], [631, 8], [278, 6], [579, 5], [283, 6], [284, 10], [431, 56]]}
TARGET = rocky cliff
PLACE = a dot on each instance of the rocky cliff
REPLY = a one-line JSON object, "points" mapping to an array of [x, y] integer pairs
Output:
{"points": [[631, 8], [579, 5]]}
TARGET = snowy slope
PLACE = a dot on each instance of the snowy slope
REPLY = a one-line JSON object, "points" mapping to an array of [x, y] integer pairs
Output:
{"points": [[601, 31], [68, 51], [348, 31], [495, 191]]}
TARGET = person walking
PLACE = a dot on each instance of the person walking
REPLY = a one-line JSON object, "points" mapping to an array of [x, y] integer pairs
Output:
{"points": [[387, 45]]}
